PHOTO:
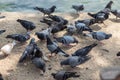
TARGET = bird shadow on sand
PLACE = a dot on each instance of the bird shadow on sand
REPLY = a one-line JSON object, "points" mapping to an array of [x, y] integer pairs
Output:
{"points": [[95, 27], [114, 20], [66, 47], [2, 57], [40, 42], [74, 15]]}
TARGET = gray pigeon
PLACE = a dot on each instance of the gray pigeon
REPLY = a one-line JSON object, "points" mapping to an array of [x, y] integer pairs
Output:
{"points": [[54, 48], [47, 21], [109, 5], [82, 27], [64, 75], [78, 8], [66, 40], [57, 28], [28, 25], [71, 29], [19, 37], [74, 61], [99, 35], [2, 31], [84, 51], [107, 8], [116, 13], [118, 54], [42, 35], [100, 16], [58, 19], [39, 63], [28, 50], [46, 11], [88, 22]]}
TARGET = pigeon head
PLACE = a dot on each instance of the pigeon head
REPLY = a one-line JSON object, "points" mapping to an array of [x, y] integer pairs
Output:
{"points": [[84, 59], [65, 22], [0, 75], [18, 20], [41, 35], [44, 69], [65, 27], [76, 22], [118, 54], [63, 63], [114, 11], [36, 8], [32, 40], [53, 74], [2, 31], [53, 7], [82, 7], [108, 36], [111, 2], [36, 33]]}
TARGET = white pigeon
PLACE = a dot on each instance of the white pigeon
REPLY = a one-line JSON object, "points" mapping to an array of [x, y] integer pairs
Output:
{"points": [[6, 49]]}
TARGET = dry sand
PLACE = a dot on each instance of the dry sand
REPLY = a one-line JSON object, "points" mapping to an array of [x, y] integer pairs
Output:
{"points": [[11, 70]]}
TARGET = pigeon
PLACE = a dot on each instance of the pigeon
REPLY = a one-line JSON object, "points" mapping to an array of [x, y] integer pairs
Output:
{"points": [[46, 11], [74, 61], [82, 27], [100, 16], [29, 50], [66, 40], [19, 37], [1, 78], [28, 25], [71, 29], [84, 51], [6, 49], [54, 48], [87, 22], [39, 63], [118, 54], [58, 19], [2, 31], [47, 21], [109, 5], [107, 8], [42, 35], [99, 35], [64, 75], [57, 28], [37, 52], [78, 8], [116, 13]]}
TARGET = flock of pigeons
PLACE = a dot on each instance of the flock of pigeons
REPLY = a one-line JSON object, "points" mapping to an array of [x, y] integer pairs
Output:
{"points": [[56, 24]]}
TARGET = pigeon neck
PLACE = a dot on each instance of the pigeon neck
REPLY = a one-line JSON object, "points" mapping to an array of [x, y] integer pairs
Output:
{"points": [[49, 41], [53, 74]]}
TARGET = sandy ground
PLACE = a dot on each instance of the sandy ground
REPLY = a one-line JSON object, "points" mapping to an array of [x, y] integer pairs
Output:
{"points": [[11, 70]]}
